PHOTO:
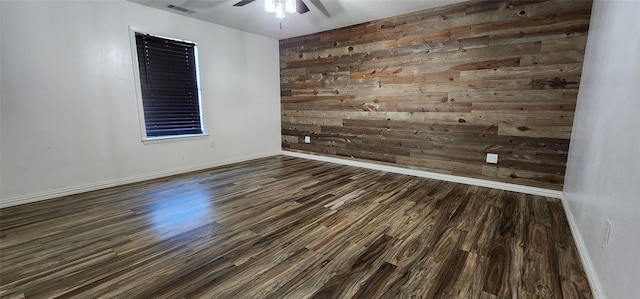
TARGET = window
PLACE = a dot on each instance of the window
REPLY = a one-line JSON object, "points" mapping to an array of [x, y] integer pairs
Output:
{"points": [[169, 87]]}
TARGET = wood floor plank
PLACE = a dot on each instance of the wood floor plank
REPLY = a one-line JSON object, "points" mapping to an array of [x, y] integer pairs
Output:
{"points": [[317, 274], [503, 276], [346, 282], [284, 227]]}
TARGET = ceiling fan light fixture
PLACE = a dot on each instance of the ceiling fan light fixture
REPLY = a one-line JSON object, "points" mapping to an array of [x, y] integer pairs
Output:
{"points": [[280, 7], [290, 6], [270, 6]]}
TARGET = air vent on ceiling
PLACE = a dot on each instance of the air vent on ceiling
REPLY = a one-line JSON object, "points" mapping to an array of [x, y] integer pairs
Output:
{"points": [[181, 9]]}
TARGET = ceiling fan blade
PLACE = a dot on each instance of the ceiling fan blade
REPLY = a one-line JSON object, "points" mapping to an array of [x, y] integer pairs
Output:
{"points": [[243, 2], [321, 7], [301, 7]]}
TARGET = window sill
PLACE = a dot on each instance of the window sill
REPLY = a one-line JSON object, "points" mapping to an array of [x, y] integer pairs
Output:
{"points": [[165, 139]]}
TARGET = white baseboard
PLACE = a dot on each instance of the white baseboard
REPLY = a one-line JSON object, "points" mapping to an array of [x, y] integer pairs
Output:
{"points": [[23, 199], [589, 269], [433, 175]]}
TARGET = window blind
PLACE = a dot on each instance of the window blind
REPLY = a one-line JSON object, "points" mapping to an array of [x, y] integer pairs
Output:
{"points": [[169, 86]]}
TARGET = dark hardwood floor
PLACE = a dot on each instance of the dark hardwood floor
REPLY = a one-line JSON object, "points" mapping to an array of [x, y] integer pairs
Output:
{"points": [[284, 227]]}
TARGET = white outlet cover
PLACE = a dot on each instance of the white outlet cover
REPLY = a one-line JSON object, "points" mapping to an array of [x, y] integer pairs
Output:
{"points": [[492, 158], [307, 139]]}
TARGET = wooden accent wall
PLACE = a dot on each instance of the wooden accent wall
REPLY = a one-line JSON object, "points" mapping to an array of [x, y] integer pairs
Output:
{"points": [[437, 90]]}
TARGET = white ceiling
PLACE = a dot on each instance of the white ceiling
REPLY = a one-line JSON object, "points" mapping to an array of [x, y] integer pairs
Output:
{"points": [[323, 15]]}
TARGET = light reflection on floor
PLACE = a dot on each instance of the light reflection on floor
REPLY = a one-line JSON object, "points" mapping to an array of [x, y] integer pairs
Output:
{"points": [[177, 213]]}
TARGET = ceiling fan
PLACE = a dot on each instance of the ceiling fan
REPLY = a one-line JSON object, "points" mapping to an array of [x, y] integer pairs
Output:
{"points": [[280, 6]]}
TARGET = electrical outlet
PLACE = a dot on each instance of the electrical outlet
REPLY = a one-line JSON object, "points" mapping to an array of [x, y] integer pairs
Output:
{"points": [[307, 139], [492, 158]]}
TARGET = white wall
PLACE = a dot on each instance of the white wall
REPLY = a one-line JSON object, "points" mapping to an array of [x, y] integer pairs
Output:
{"points": [[603, 171], [69, 116]]}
